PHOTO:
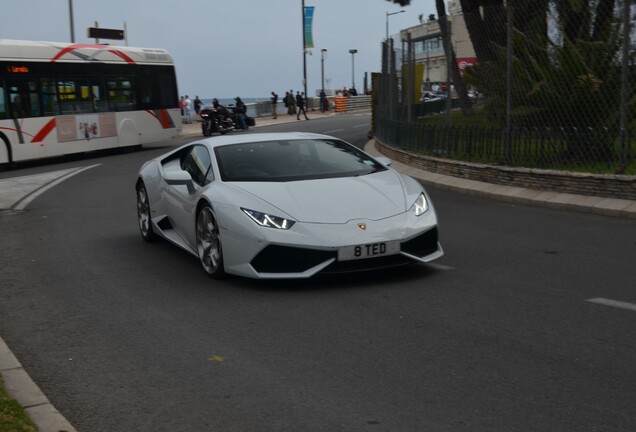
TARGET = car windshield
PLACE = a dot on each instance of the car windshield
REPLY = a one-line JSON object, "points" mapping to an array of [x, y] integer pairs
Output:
{"points": [[292, 160]]}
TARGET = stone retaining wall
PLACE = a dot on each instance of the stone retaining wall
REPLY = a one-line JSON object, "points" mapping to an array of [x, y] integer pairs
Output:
{"points": [[600, 185]]}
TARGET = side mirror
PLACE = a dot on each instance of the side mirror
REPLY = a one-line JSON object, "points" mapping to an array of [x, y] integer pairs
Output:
{"points": [[179, 178], [384, 160]]}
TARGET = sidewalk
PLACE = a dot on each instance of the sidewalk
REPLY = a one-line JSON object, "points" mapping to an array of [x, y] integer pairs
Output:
{"points": [[194, 128]]}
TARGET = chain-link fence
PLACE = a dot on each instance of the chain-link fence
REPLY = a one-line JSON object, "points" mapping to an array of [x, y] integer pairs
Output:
{"points": [[551, 85]]}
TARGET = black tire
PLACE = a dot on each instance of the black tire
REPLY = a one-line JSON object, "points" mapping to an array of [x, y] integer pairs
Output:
{"points": [[209, 243], [143, 214], [205, 129]]}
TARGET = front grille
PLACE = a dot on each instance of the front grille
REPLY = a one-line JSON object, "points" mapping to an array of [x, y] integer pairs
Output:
{"points": [[423, 244], [285, 259]]}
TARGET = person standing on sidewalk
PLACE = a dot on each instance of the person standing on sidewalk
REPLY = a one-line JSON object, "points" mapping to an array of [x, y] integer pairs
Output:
{"points": [[197, 104], [274, 104], [300, 103], [291, 109], [187, 108]]}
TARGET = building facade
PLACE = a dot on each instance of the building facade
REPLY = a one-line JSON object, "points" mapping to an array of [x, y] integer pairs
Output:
{"points": [[427, 48]]}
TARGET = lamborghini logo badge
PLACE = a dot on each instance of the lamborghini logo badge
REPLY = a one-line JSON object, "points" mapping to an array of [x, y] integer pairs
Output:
{"points": [[362, 226]]}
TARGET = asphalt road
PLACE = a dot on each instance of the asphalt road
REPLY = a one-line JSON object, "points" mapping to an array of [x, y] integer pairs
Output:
{"points": [[498, 335]]}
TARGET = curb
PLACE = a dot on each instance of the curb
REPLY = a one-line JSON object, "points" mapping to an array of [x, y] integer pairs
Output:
{"points": [[21, 387], [615, 207]]}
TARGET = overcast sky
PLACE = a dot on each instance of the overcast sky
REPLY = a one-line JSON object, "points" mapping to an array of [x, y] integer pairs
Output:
{"points": [[229, 48]]}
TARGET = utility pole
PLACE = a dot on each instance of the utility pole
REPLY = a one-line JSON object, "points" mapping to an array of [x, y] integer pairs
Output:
{"points": [[353, 73], [70, 11], [304, 50]]}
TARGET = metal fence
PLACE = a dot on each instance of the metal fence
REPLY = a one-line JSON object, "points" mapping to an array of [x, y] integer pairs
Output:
{"points": [[352, 103], [552, 87]]}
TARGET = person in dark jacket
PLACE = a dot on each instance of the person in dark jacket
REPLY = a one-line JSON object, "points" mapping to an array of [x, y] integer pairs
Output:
{"points": [[241, 110], [300, 104], [274, 104]]}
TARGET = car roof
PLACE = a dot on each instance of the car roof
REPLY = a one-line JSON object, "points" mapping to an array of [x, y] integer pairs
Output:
{"points": [[222, 140]]}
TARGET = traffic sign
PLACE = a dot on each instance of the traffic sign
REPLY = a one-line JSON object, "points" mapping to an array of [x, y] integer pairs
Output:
{"points": [[104, 33]]}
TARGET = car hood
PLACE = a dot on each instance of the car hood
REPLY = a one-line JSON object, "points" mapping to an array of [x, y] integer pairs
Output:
{"points": [[337, 200]]}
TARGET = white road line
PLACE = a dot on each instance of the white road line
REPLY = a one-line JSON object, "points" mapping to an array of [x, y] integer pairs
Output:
{"points": [[613, 303], [363, 125], [332, 131], [439, 266], [26, 200]]}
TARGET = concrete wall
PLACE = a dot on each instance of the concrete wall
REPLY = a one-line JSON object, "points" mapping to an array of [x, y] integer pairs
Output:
{"points": [[600, 185]]}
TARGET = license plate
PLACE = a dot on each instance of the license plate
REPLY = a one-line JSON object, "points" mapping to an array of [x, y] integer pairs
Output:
{"points": [[370, 250]]}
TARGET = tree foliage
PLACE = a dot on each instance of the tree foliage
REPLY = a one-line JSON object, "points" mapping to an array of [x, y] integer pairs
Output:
{"points": [[566, 65], [561, 74]]}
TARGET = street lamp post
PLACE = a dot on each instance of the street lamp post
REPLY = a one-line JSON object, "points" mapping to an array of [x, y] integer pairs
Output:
{"points": [[304, 51], [322, 77], [353, 73], [70, 12], [387, 21]]}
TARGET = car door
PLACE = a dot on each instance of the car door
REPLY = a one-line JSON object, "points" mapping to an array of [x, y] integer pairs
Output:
{"points": [[181, 200]]}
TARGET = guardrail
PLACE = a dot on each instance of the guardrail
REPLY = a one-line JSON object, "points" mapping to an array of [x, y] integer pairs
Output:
{"points": [[337, 103]]}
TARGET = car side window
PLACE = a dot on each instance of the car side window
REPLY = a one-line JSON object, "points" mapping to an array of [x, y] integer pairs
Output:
{"points": [[198, 163]]}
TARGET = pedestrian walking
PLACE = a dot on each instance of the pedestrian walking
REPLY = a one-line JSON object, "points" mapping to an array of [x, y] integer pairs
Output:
{"points": [[300, 104], [181, 102], [274, 104]]}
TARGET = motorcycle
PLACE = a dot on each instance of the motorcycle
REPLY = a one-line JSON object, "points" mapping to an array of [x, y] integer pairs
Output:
{"points": [[216, 120]]}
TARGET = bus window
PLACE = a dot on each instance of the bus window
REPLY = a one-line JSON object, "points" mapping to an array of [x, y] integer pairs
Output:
{"points": [[168, 86], [49, 97], [34, 99], [121, 94], [67, 91], [3, 103], [24, 99], [145, 90], [75, 96], [99, 95]]}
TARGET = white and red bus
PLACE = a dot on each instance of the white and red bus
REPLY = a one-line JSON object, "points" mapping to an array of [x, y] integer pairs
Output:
{"points": [[60, 98]]}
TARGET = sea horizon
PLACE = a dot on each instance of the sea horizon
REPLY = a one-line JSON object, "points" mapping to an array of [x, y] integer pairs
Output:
{"points": [[231, 101]]}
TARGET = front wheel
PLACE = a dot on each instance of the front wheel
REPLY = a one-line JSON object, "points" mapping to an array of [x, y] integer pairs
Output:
{"points": [[209, 243]]}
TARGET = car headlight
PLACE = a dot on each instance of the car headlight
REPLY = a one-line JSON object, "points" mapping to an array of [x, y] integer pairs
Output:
{"points": [[267, 220], [420, 206]]}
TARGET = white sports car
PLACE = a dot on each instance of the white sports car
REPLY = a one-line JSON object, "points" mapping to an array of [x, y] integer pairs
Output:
{"points": [[285, 205]]}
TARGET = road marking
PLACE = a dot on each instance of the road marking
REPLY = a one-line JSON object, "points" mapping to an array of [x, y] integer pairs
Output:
{"points": [[363, 125], [613, 303], [18, 192], [217, 358], [440, 266], [332, 131]]}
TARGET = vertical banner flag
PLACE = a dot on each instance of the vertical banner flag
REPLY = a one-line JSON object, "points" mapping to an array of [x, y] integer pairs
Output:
{"points": [[309, 17]]}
